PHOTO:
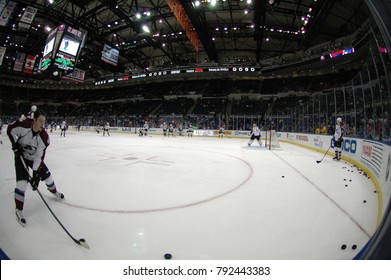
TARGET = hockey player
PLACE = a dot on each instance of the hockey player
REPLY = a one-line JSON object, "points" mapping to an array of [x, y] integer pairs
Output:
{"points": [[221, 132], [145, 128], [63, 127], [30, 114], [255, 134], [171, 130], [106, 129], [29, 140], [180, 130], [52, 126], [190, 131], [338, 133], [164, 129]]}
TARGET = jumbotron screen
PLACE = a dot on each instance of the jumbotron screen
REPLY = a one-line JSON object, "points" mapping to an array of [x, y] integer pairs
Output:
{"points": [[69, 46], [62, 49], [48, 47]]}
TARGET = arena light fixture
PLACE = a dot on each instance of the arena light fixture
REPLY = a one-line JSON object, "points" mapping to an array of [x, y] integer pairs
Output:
{"points": [[146, 28]]}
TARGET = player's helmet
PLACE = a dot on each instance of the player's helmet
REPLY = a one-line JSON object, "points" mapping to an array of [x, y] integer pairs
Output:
{"points": [[339, 120], [33, 108]]}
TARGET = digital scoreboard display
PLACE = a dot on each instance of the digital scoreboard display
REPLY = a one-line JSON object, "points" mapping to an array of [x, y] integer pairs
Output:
{"points": [[65, 61], [69, 49], [48, 47], [48, 51], [62, 49], [69, 46]]}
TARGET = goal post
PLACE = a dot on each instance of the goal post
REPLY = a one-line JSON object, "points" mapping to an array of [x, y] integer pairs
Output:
{"points": [[271, 140]]}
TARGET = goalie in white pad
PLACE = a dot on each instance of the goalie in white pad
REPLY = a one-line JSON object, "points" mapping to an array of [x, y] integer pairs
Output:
{"points": [[255, 134]]}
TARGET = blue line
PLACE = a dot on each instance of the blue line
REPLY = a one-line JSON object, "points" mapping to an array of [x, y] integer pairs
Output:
{"points": [[3, 256]]}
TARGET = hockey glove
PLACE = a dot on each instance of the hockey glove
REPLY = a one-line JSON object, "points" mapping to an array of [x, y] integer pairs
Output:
{"points": [[34, 181], [17, 149]]}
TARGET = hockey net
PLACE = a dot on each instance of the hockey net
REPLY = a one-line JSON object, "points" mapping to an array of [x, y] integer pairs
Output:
{"points": [[271, 140]]}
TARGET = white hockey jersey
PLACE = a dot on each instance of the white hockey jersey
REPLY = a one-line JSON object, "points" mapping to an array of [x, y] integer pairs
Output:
{"points": [[34, 144]]}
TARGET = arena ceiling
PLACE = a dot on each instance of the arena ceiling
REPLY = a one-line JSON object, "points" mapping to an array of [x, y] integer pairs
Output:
{"points": [[230, 31]]}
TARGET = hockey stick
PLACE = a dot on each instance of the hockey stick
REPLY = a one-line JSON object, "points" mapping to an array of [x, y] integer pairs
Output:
{"points": [[319, 161], [81, 241]]}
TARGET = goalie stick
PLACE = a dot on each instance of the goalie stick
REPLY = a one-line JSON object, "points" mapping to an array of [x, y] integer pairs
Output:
{"points": [[81, 241], [319, 161]]}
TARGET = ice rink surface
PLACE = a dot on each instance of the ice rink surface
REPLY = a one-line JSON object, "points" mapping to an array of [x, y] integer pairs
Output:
{"points": [[198, 198]]}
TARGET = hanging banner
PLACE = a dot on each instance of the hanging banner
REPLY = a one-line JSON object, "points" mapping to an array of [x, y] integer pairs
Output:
{"points": [[29, 64], [2, 54], [7, 13], [186, 25], [2, 5], [19, 61], [110, 55], [28, 17], [77, 75]]}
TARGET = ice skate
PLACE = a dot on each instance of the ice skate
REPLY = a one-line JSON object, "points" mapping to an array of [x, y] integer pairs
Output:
{"points": [[20, 217], [58, 195]]}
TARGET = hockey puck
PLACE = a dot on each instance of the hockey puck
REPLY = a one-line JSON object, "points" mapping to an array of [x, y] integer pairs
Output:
{"points": [[354, 247], [167, 256], [365, 201], [343, 247], [283, 176], [82, 240]]}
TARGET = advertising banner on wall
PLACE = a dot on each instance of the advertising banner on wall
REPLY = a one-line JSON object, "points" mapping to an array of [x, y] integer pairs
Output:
{"points": [[373, 156]]}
